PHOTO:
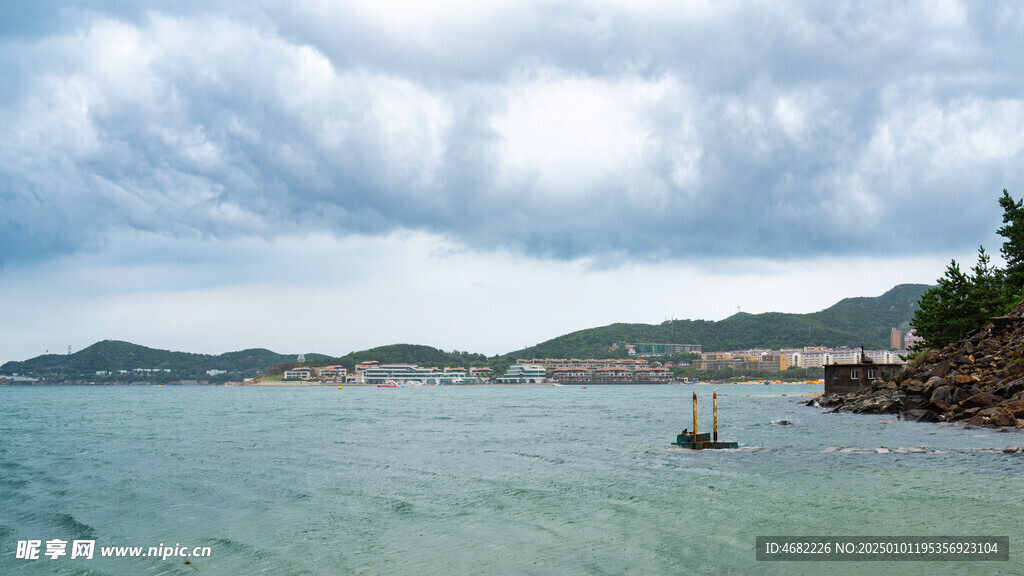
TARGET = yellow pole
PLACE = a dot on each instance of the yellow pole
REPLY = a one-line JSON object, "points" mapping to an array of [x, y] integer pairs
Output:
{"points": [[714, 409], [694, 415]]}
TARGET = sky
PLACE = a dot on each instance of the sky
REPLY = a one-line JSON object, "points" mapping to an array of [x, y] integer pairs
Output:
{"points": [[316, 176]]}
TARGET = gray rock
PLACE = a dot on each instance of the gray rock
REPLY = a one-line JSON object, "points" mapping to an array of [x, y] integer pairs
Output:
{"points": [[1011, 449], [942, 394], [915, 414], [1010, 389]]}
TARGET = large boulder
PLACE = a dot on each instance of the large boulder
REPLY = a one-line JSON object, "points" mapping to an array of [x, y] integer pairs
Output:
{"points": [[933, 383], [960, 394], [980, 400], [881, 404], [1011, 389], [966, 414], [1013, 370], [942, 394], [1015, 407], [1002, 417], [914, 386], [993, 417], [935, 406]]}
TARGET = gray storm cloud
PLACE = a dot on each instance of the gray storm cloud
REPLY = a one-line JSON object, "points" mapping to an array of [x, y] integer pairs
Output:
{"points": [[560, 130]]}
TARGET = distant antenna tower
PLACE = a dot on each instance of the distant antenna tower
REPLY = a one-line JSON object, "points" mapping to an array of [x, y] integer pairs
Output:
{"points": [[301, 358], [69, 349]]}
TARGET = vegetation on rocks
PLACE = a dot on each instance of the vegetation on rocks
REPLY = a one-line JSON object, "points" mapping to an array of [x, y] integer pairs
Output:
{"points": [[962, 302], [977, 380], [970, 367]]}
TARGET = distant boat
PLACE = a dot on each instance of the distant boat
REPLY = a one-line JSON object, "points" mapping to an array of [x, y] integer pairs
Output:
{"points": [[390, 384]]}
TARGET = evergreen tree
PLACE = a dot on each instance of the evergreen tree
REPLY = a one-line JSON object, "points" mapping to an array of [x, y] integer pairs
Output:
{"points": [[990, 295], [961, 303], [944, 312], [1013, 248]]}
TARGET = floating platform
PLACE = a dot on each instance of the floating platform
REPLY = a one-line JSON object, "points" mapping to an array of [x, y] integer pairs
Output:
{"points": [[695, 441], [702, 442]]}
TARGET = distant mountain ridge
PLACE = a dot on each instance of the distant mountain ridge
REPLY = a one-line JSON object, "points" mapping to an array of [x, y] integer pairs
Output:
{"points": [[115, 355], [863, 321], [866, 321]]}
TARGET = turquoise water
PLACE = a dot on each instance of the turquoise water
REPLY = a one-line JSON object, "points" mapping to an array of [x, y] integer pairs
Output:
{"points": [[481, 480]]}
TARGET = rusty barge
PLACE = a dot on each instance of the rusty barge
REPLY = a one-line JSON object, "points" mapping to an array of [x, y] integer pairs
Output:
{"points": [[695, 441]]}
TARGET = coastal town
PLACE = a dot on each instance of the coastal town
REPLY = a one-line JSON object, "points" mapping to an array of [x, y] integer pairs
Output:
{"points": [[626, 363], [633, 370]]}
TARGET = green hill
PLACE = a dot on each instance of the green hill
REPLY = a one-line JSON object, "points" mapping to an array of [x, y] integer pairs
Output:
{"points": [[411, 354], [113, 356], [850, 322]]}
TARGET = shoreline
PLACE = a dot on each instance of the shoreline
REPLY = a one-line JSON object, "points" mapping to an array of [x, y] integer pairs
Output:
{"points": [[362, 385]]}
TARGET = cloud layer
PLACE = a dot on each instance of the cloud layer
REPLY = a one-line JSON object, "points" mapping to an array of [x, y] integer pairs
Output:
{"points": [[331, 295], [562, 130]]}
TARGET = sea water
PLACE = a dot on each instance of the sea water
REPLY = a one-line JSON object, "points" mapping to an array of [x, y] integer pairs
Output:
{"points": [[481, 480]]}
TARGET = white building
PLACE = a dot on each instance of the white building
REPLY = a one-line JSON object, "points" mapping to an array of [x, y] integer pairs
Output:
{"points": [[333, 372], [409, 374], [298, 374], [523, 374], [886, 356]]}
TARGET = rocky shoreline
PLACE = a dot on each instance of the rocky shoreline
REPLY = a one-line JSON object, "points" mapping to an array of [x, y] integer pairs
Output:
{"points": [[978, 380]]}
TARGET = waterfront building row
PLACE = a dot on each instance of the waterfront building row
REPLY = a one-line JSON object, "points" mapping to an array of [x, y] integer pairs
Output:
{"points": [[773, 362], [413, 374], [373, 372], [576, 370], [807, 357], [133, 370], [333, 373], [588, 364]]}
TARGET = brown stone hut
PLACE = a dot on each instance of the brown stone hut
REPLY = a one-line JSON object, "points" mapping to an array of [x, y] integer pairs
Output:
{"points": [[844, 378]]}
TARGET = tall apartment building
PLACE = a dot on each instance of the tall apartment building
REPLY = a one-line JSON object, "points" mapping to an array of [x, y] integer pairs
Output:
{"points": [[896, 339]]}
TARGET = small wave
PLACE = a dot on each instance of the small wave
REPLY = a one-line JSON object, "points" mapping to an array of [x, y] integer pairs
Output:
{"points": [[539, 457], [71, 526], [403, 508]]}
